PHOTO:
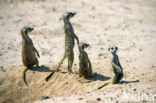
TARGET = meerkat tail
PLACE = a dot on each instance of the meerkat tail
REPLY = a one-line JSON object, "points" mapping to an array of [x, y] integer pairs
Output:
{"points": [[24, 75], [64, 56], [49, 76], [106, 83]]}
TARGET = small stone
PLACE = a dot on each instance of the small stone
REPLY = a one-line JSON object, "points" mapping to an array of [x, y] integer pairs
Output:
{"points": [[98, 99], [51, 55], [43, 53], [54, 9], [134, 89], [3, 70], [108, 40], [9, 48], [117, 102], [80, 98], [101, 54], [45, 97], [19, 88], [93, 8]]}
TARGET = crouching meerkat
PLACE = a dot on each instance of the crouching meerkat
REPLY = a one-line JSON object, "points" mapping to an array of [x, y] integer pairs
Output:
{"points": [[116, 69], [85, 67], [29, 52]]}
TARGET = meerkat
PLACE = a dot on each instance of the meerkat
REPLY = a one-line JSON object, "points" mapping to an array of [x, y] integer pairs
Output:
{"points": [[69, 42], [29, 52], [116, 69], [85, 67]]}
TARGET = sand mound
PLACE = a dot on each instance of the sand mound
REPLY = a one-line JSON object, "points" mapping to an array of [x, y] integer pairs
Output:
{"points": [[62, 83]]}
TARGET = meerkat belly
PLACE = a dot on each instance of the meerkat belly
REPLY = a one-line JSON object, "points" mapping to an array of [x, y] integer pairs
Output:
{"points": [[29, 57], [83, 64], [69, 43], [83, 69]]}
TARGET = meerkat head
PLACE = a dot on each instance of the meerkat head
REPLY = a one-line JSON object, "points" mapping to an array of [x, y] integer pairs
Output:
{"points": [[83, 45], [26, 29], [68, 15], [113, 49]]}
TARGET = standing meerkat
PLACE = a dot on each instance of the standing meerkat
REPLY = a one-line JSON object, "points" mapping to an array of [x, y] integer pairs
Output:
{"points": [[29, 52], [85, 67], [69, 42], [116, 69]]}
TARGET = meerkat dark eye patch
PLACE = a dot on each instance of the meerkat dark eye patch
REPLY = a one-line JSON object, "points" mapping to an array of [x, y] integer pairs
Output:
{"points": [[25, 30], [70, 13], [67, 16], [116, 48]]}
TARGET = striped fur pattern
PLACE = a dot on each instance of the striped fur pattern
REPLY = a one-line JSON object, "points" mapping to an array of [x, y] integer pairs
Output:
{"points": [[85, 68], [116, 69], [69, 41], [29, 52]]}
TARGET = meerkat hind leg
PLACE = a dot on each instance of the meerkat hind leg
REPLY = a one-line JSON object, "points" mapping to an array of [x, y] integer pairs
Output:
{"points": [[37, 64], [70, 63], [114, 79]]}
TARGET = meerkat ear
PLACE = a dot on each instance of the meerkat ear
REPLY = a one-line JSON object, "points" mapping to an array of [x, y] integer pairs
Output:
{"points": [[108, 49], [116, 48]]}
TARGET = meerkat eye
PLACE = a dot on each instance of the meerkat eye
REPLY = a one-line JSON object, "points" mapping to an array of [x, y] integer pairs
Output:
{"points": [[67, 16], [116, 48], [82, 46], [25, 30]]}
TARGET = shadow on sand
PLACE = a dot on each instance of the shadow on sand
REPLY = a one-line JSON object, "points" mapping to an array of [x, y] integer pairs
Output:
{"points": [[96, 76], [41, 68], [129, 82]]}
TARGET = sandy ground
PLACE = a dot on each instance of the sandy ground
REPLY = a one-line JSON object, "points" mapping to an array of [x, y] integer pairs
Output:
{"points": [[129, 24]]}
